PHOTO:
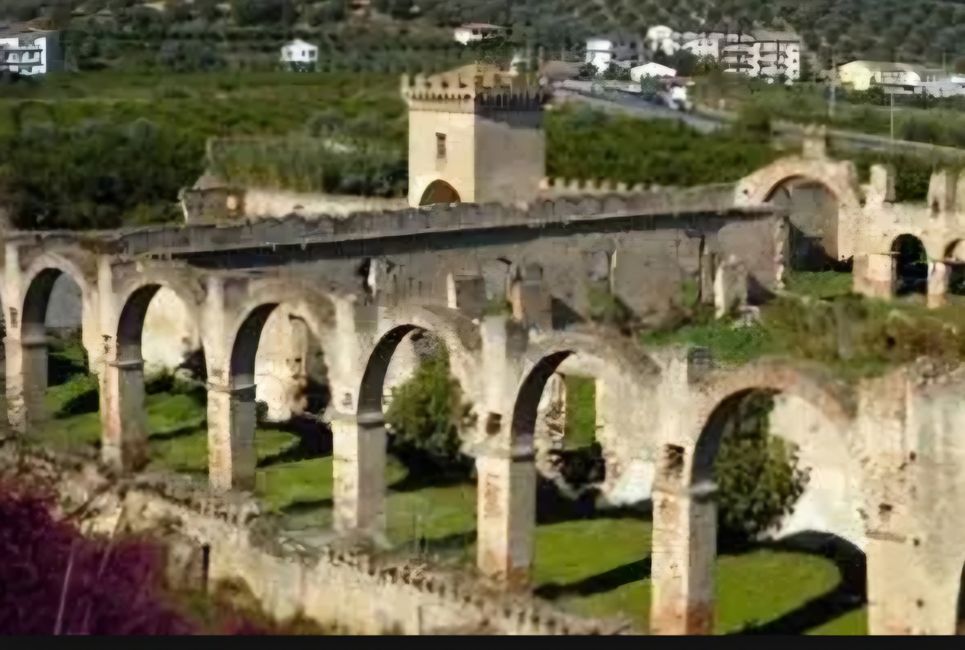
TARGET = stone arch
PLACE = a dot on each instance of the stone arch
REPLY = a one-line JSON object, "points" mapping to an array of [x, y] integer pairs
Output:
{"points": [[544, 358], [954, 259], [459, 335], [910, 264], [315, 307], [124, 429], [27, 306], [232, 414], [134, 302], [38, 281], [838, 178], [685, 511], [439, 191], [829, 397]]}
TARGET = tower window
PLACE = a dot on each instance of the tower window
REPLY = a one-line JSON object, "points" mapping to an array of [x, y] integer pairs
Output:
{"points": [[441, 146]]}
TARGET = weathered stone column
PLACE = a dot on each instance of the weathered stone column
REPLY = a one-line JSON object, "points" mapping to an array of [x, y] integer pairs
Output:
{"points": [[123, 418], [682, 560], [938, 273], [874, 275], [358, 468], [231, 437], [506, 514], [26, 377]]}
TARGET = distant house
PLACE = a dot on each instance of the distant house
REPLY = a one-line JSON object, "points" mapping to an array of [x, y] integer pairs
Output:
{"points": [[473, 32], [861, 75], [648, 70], [602, 51], [299, 55], [30, 51]]}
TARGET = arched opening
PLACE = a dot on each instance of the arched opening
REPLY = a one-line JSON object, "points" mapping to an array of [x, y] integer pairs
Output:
{"points": [[156, 407], [439, 192], [59, 393], [557, 522], [746, 481], [813, 214], [955, 261], [280, 389], [911, 265], [410, 392]]}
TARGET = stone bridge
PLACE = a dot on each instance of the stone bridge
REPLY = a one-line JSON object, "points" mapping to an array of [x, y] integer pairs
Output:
{"points": [[506, 290]]}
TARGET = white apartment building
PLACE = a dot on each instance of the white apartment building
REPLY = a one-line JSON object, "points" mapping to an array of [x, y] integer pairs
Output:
{"points": [[31, 52], [762, 53]]}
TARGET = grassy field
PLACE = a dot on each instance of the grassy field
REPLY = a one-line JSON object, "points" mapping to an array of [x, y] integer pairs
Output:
{"points": [[821, 321], [590, 562]]}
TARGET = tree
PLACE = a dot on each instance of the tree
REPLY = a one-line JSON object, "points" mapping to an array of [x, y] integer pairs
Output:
{"points": [[757, 473], [427, 413]]}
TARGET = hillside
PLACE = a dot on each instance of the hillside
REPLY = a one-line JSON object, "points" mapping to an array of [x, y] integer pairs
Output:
{"points": [[914, 30]]}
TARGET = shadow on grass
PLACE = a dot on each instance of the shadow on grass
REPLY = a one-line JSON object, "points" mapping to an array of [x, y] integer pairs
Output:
{"points": [[554, 507], [848, 595], [424, 472], [178, 432], [599, 583], [314, 441], [303, 507], [60, 368]]}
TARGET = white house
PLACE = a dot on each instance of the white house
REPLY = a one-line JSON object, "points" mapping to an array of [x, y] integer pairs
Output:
{"points": [[473, 32], [299, 54], [651, 70], [602, 51], [31, 52], [664, 39], [860, 75]]}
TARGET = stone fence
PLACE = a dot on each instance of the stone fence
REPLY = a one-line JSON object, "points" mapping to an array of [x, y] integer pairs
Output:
{"points": [[217, 537]]}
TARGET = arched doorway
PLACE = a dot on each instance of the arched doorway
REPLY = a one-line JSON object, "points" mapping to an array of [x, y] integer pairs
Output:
{"points": [[910, 264], [813, 214], [439, 192]]}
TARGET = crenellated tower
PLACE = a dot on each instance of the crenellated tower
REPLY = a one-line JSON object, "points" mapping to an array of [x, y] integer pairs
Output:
{"points": [[475, 135]]}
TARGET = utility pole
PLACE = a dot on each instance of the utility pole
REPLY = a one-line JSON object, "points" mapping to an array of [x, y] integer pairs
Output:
{"points": [[892, 118]]}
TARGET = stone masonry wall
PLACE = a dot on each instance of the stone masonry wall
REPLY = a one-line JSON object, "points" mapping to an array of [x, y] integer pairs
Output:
{"points": [[342, 585]]}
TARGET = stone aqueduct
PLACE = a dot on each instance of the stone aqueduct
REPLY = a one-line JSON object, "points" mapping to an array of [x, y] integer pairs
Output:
{"points": [[365, 283]]}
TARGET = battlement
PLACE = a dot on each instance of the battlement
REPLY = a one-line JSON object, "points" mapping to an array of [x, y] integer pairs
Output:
{"points": [[484, 86], [551, 187]]}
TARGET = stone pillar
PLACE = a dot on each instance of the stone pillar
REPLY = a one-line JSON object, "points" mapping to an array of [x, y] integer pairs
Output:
{"points": [[358, 468], [682, 560], [938, 273], [874, 275], [26, 377], [506, 515], [123, 418], [231, 437], [908, 594]]}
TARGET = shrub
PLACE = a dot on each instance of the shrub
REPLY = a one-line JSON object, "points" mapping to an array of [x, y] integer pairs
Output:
{"points": [[427, 412], [757, 473], [57, 582]]}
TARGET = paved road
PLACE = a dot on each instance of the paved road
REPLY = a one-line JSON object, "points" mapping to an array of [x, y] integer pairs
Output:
{"points": [[627, 104], [623, 103]]}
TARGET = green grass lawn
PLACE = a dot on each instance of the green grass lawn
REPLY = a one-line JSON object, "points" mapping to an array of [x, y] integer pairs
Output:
{"points": [[594, 566]]}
